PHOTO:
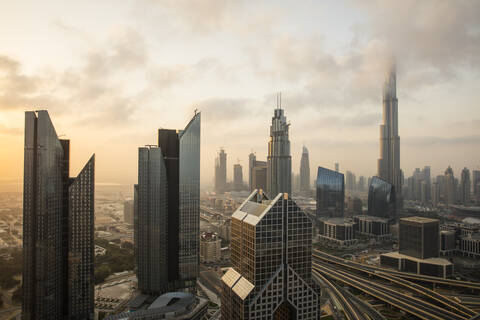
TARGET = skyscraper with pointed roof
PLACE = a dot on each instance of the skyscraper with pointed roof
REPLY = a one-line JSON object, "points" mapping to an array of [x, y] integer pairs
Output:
{"points": [[58, 226], [279, 160], [389, 161]]}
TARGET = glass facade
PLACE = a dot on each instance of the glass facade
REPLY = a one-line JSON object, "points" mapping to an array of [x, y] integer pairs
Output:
{"points": [[151, 227], [279, 160], [381, 198], [270, 278], [81, 217], [57, 227], [167, 211], [189, 206], [330, 193]]}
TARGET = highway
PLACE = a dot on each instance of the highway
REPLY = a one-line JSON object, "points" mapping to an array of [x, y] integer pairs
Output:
{"points": [[404, 275], [449, 304], [409, 304], [351, 312], [367, 309]]}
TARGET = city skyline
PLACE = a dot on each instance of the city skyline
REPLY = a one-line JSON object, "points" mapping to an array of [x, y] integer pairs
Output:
{"points": [[330, 72]]}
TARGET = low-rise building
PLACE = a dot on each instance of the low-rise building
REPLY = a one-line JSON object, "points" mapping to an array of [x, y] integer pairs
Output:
{"points": [[435, 267], [172, 305], [376, 227], [338, 230], [470, 245], [210, 246]]}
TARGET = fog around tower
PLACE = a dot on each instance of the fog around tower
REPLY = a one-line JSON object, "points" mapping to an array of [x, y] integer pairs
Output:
{"points": [[143, 65]]}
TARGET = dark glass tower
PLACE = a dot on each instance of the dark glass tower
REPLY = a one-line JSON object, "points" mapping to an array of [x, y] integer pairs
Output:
{"points": [[271, 274], [330, 193], [381, 199], [58, 222], [305, 171], [167, 211], [279, 160]]}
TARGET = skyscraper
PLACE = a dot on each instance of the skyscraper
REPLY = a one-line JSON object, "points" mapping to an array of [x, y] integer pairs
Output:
{"points": [[305, 171], [221, 171], [449, 185], [389, 161], [252, 158], [168, 210], [337, 166], [271, 274], [237, 177], [257, 173], [476, 185], [465, 186], [58, 226], [351, 181], [279, 161]]}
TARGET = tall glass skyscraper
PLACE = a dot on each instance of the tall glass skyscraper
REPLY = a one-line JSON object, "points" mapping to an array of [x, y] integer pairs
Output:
{"points": [[279, 160], [167, 211], [271, 274], [305, 171], [58, 226], [389, 161], [330, 193], [381, 198]]}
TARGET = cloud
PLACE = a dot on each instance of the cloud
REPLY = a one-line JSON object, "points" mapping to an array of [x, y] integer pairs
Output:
{"points": [[433, 141], [220, 109], [4, 130], [436, 36]]}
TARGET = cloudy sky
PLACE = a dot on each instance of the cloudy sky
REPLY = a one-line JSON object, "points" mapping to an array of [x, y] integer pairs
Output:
{"points": [[111, 72]]}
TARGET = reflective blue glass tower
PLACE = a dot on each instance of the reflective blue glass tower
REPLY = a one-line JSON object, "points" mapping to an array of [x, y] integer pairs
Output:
{"points": [[381, 198], [330, 193]]}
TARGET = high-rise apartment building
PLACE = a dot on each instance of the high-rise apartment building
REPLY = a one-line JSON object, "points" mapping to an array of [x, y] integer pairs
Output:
{"points": [[476, 185], [330, 193], [237, 177], [351, 181], [449, 185], [271, 255], [279, 160], [58, 227], [252, 158], [419, 237], [361, 184], [221, 171], [389, 161], [257, 173], [168, 211], [305, 171], [465, 186]]}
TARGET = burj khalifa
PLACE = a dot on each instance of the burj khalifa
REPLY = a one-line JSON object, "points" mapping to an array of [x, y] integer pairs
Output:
{"points": [[389, 162]]}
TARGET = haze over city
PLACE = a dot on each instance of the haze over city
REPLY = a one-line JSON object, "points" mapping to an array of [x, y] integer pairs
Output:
{"points": [[112, 73]]}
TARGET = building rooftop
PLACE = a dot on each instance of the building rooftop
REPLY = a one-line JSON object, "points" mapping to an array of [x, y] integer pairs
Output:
{"points": [[254, 208], [372, 218], [339, 221], [436, 261], [419, 219]]}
